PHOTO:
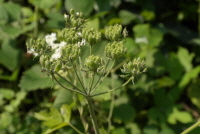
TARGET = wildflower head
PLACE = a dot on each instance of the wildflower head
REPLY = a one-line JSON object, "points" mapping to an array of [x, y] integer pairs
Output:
{"points": [[115, 50], [94, 63], [135, 67]]}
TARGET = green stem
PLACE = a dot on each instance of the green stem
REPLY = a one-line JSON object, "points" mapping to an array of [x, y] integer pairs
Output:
{"points": [[111, 105], [67, 87], [114, 88], [78, 77], [102, 78], [191, 128], [73, 127], [68, 82], [92, 114]]}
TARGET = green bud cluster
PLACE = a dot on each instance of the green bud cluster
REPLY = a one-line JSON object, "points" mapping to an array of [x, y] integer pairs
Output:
{"points": [[134, 67], [71, 36], [91, 36], [75, 20], [48, 65], [71, 52], [115, 32], [115, 50], [94, 63], [37, 46]]}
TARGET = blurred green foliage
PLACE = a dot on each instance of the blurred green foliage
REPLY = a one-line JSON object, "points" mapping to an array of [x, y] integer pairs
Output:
{"points": [[165, 100]]}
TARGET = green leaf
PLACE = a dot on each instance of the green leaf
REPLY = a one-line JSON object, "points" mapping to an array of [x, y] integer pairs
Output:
{"points": [[8, 31], [13, 10], [189, 76], [85, 6], [3, 15], [6, 119], [42, 115], [185, 58], [49, 131], [181, 116], [150, 129], [134, 128], [54, 119], [66, 113], [7, 93], [127, 17], [34, 79], [119, 131], [123, 113], [9, 56], [194, 92], [43, 4], [103, 5], [63, 97], [93, 23]]}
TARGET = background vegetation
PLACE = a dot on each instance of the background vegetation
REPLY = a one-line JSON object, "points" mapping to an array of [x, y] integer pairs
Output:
{"points": [[165, 100]]}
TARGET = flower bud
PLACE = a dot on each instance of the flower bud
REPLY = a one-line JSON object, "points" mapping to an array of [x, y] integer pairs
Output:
{"points": [[91, 36], [134, 67], [93, 62], [114, 33], [115, 50]]}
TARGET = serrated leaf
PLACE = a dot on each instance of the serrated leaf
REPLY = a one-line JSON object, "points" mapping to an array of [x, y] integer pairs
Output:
{"points": [[185, 58], [9, 56], [66, 113], [34, 79], [85, 6]]}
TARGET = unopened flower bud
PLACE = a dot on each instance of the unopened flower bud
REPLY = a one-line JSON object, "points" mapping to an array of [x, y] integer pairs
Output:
{"points": [[115, 50], [93, 62]]}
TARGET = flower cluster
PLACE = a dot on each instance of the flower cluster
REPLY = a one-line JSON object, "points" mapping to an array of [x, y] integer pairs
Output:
{"points": [[134, 67], [115, 50], [91, 36]]}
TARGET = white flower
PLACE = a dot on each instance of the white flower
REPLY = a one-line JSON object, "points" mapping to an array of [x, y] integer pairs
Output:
{"points": [[50, 39], [142, 40], [81, 43], [57, 51], [32, 51]]}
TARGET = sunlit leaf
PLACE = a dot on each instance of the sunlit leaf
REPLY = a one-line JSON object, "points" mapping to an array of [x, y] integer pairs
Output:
{"points": [[66, 113]]}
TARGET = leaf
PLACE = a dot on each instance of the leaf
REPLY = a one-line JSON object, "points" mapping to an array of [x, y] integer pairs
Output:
{"points": [[6, 119], [185, 58], [10, 32], [7, 93], [103, 5], [127, 17], [48, 131], [66, 113], [54, 118], [189, 76], [43, 4], [9, 56], [134, 128], [13, 10], [119, 131], [194, 92], [181, 116], [34, 79], [93, 23], [3, 15], [85, 6], [63, 97], [123, 113], [42, 115], [150, 129]]}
